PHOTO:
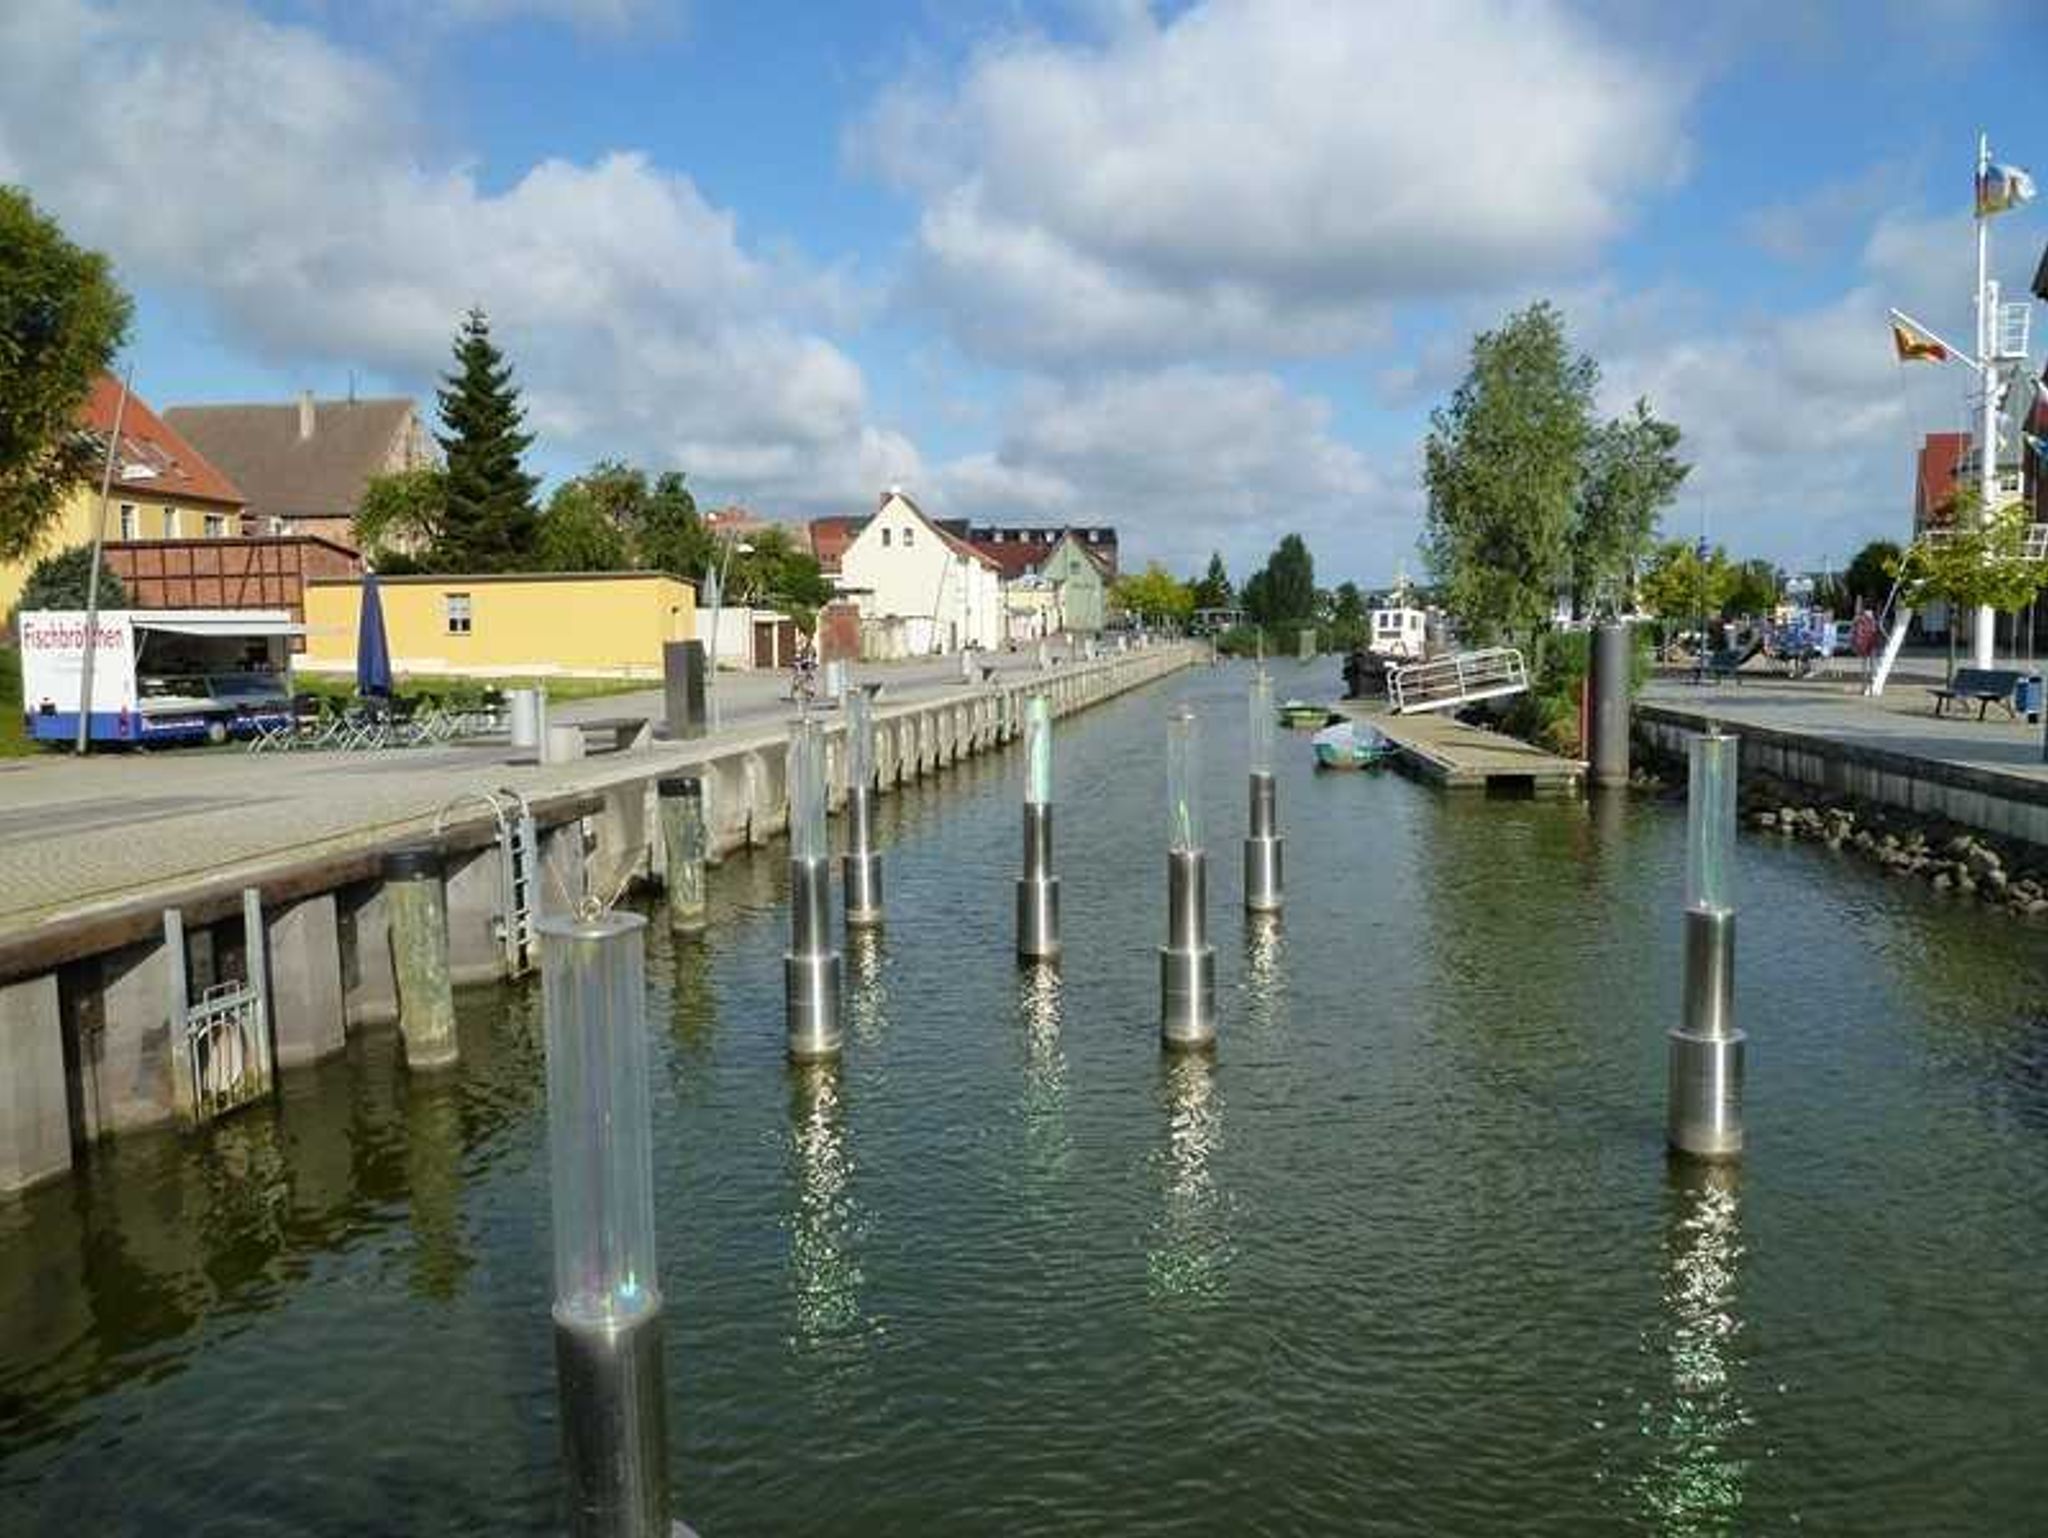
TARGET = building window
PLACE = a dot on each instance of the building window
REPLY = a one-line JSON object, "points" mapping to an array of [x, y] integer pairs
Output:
{"points": [[885, 539], [906, 538], [170, 523], [127, 520], [458, 613], [216, 526]]}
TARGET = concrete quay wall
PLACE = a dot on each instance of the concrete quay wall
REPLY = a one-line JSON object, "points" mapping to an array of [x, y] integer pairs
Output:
{"points": [[2009, 805], [90, 1046]]}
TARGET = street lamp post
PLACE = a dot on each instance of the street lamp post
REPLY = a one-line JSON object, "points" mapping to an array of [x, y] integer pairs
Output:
{"points": [[717, 608]]}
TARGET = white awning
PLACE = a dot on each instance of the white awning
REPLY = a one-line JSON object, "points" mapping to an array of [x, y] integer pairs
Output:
{"points": [[226, 626]]}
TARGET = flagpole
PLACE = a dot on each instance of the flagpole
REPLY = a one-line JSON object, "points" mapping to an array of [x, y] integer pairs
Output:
{"points": [[1984, 640]]}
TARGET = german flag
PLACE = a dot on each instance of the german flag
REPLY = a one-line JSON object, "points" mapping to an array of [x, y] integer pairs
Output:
{"points": [[1915, 345]]}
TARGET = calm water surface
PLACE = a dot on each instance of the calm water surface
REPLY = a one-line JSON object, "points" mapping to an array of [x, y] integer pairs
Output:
{"points": [[1406, 1256]]}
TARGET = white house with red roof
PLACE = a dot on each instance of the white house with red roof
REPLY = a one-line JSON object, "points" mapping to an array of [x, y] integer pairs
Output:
{"points": [[942, 592]]}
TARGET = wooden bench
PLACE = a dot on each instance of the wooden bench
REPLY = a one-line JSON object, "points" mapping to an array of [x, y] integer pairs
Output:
{"points": [[1987, 686], [627, 732]]}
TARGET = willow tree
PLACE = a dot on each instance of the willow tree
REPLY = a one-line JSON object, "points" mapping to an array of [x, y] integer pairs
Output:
{"points": [[1503, 465]]}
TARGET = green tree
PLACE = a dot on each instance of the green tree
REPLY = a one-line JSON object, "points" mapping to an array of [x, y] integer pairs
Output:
{"points": [[1630, 474], [1154, 595], [1290, 592], [775, 571], [1753, 590], [1867, 579], [1679, 587], [60, 581], [1213, 591], [1502, 468], [577, 534], [1348, 620], [656, 521], [62, 319], [400, 518], [666, 533], [1975, 564], [490, 522], [1255, 598]]}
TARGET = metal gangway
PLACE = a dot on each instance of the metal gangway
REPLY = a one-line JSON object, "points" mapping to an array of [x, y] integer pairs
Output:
{"points": [[1445, 683]]}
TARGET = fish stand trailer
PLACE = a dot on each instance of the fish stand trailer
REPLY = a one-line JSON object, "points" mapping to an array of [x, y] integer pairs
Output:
{"points": [[158, 675]]}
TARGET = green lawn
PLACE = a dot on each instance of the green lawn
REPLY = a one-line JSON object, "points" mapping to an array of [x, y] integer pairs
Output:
{"points": [[14, 741]]}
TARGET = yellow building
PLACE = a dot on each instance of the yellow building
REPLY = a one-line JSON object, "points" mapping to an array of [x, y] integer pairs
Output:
{"points": [[516, 625], [163, 489]]}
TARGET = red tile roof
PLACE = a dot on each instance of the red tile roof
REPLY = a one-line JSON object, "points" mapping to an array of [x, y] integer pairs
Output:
{"points": [[181, 472], [1940, 455], [1013, 558], [831, 536], [960, 547]]}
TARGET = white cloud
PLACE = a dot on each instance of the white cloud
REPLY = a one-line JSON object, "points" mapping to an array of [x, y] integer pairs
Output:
{"points": [[274, 179], [1805, 426], [1265, 175], [1188, 460]]}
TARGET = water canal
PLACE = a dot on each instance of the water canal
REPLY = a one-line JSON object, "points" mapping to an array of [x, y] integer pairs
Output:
{"points": [[1407, 1256]]}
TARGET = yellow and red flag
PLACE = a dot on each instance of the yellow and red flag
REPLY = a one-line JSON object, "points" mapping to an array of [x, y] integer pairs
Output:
{"points": [[1915, 345]]}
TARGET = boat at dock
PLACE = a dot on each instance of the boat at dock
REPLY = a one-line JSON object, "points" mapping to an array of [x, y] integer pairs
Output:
{"points": [[1351, 745], [1301, 715]]}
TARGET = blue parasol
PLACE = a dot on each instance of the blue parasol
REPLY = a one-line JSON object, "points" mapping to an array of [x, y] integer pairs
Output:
{"points": [[373, 652]]}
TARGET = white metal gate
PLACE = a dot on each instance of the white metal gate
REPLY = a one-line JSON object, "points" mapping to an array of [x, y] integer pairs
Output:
{"points": [[221, 1042]]}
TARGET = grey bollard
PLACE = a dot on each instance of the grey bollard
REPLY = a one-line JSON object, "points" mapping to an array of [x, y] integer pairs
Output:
{"points": [[861, 865], [1706, 1047], [1038, 889], [418, 910], [1263, 844], [681, 800], [608, 1304], [811, 968], [526, 713], [1187, 962], [1607, 682]]}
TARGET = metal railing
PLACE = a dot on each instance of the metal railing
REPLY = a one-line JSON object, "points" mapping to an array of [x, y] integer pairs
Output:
{"points": [[1442, 683], [222, 1042]]}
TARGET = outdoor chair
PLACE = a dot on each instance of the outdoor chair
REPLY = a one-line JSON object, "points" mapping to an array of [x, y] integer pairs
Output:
{"points": [[300, 727]]}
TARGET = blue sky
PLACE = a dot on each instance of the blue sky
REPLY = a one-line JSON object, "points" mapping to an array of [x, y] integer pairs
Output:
{"points": [[1200, 270]]}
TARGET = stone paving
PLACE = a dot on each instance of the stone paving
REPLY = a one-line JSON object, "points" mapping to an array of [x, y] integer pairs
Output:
{"points": [[1901, 721], [80, 834]]}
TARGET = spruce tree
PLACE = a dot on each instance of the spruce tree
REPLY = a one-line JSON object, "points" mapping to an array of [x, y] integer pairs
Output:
{"points": [[490, 523]]}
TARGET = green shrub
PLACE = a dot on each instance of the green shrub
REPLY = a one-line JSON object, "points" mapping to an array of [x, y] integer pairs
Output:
{"points": [[1548, 715]]}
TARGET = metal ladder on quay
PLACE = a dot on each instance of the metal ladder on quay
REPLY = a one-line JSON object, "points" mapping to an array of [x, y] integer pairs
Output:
{"points": [[518, 842]]}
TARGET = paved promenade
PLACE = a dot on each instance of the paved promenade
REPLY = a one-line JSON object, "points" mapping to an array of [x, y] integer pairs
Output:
{"points": [[1902, 721], [75, 835]]}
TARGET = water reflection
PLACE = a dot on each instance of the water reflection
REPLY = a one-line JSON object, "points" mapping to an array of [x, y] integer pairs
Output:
{"points": [[1044, 1102], [693, 1011], [867, 1002], [824, 1220], [124, 1267], [433, 1170], [1191, 1248], [1265, 977], [1694, 1482]]}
